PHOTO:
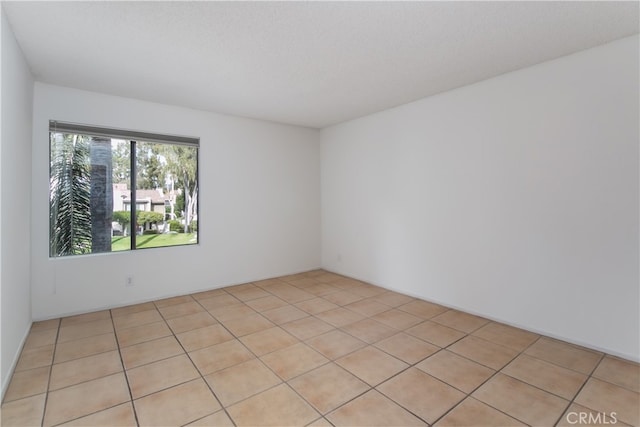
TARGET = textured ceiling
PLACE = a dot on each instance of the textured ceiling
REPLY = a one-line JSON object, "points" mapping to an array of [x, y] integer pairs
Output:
{"points": [[313, 63]]}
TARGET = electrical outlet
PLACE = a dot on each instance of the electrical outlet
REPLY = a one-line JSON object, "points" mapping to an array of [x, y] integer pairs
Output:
{"points": [[128, 281]]}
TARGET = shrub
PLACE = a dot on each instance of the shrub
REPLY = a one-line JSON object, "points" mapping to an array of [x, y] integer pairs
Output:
{"points": [[143, 217], [175, 225], [150, 232], [193, 227]]}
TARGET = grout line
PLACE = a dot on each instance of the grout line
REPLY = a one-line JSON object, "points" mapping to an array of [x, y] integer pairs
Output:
{"points": [[53, 356], [198, 369], [124, 370]]}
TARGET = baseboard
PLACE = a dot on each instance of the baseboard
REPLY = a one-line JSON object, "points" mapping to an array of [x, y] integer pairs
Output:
{"points": [[14, 362], [631, 357]]}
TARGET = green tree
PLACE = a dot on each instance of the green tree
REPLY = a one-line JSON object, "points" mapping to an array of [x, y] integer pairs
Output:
{"points": [[151, 171], [70, 195], [121, 153], [182, 167]]}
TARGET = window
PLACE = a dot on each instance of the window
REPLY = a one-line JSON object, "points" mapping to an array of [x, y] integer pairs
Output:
{"points": [[96, 175]]}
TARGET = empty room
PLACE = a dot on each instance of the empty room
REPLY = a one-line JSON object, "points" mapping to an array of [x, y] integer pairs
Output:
{"points": [[320, 213]]}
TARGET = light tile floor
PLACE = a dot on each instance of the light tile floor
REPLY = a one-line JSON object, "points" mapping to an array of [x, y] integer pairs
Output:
{"points": [[308, 349]]}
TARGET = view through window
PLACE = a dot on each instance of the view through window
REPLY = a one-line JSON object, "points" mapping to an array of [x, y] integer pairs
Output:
{"points": [[113, 190]]}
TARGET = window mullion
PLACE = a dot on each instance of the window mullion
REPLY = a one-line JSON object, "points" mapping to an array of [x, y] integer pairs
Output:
{"points": [[134, 206]]}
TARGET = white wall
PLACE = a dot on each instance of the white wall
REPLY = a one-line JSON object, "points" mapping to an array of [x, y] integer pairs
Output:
{"points": [[15, 211], [515, 198], [259, 206]]}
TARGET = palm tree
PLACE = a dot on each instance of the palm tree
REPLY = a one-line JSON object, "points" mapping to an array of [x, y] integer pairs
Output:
{"points": [[69, 198]]}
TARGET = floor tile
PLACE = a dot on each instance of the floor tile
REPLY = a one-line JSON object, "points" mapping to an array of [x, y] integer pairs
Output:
{"points": [[421, 394], [218, 419], [203, 337], [87, 398], [143, 333], [219, 301], [230, 312], [367, 307], [220, 356], [371, 365], [118, 416], [328, 387], [335, 344], [85, 347], [291, 294], [284, 314], [316, 305], [84, 330], [459, 320], [178, 405], [161, 375], [473, 412], [250, 294], [43, 325], [137, 319], [322, 289], [248, 324], [526, 403], [269, 340], [406, 347], [579, 415], [619, 372], [392, 299], [435, 333], [208, 294], [182, 309], [279, 406], [330, 339], [508, 336], [23, 412], [307, 327], [373, 409], [547, 376], [484, 352], [87, 317], [190, 322], [455, 370], [293, 361], [564, 354], [40, 338], [85, 369], [369, 331], [130, 309], [342, 298], [423, 309], [150, 351], [366, 290], [339, 317], [35, 357], [173, 300], [241, 381], [397, 319], [27, 383], [606, 397], [320, 422], [266, 303]]}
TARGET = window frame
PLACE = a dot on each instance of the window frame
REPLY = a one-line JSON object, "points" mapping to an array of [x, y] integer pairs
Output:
{"points": [[132, 137]]}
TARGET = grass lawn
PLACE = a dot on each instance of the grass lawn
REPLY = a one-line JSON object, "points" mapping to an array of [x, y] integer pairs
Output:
{"points": [[123, 243]]}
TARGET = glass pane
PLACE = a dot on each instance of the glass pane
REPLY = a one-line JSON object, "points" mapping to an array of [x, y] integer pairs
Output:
{"points": [[166, 195], [83, 175], [121, 224]]}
